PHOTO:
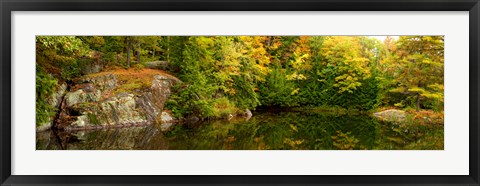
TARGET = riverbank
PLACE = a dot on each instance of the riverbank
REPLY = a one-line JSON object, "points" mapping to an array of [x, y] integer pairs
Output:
{"points": [[389, 114], [279, 130], [118, 98]]}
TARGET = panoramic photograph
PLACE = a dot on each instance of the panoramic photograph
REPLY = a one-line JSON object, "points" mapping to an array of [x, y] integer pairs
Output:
{"points": [[239, 92]]}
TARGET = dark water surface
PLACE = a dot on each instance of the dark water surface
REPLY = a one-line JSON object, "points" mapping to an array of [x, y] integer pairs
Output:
{"points": [[267, 130]]}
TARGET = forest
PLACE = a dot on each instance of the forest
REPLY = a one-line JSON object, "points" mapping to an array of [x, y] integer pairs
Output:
{"points": [[216, 78]]}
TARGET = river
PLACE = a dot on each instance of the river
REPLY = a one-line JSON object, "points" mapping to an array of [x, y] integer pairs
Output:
{"points": [[264, 131]]}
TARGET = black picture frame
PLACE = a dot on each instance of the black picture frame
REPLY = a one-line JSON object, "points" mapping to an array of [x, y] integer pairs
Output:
{"points": [[8, 6]]}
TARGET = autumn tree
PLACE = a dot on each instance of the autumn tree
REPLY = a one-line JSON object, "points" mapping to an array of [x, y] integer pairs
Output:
{"points": [[224, 72], [419, 74], [343, 61], [341, 73]]}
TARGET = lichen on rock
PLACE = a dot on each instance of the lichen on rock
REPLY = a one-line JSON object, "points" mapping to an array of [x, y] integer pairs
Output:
{"points": [[391, 115], [166, 117], [92, 107], [103, 82], [81, 96]]}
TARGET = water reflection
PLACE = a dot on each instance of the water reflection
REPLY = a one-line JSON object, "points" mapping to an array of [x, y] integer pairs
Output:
{"points": [[269, 131]]}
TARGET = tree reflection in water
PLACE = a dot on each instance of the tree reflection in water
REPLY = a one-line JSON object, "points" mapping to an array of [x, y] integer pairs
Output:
{"points": [[264, 131]]}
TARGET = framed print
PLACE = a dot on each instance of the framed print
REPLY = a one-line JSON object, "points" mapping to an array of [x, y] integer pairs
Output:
{"points": [[239, 93]]}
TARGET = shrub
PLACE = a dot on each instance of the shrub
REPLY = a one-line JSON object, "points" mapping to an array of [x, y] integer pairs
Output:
{"points": [[45, 86]]}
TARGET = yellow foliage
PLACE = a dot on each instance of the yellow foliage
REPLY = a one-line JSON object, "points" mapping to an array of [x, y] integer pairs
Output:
{"points": [[345, 54]]}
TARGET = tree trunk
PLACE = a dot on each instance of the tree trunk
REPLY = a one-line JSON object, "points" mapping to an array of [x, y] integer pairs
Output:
{"points": [[138, 49], [168, 48], [269, 41], [418, 102], [129, 48]]}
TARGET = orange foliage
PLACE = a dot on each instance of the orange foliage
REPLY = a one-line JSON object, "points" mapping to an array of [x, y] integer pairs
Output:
{"points": [[133, 75], [428, 117]]}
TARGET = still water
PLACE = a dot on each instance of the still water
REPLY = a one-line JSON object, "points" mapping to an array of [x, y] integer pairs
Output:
{"points": [[264, 131]]}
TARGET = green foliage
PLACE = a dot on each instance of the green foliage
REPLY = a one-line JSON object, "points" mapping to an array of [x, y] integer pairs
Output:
{"points": [[92, 118], [62, 45], [62, 56], [345, 141], [285, 71], [419, 70], [45, 86], [186, 102], [113, 48], [429, 138], [334, 77], [180, 101], [244, 72], [287, 130], [214, 68], [341, 75], [344, 63], [277, 90]]}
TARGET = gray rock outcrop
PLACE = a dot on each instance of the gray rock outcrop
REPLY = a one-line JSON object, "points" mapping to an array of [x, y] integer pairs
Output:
{"points": [[391, 115], [96, 105]]}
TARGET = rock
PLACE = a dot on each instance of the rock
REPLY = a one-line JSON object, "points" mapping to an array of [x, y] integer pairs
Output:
{"points": [[166, 117], [229, 117], [160, 90], [171, 79], [192, 119], [89, 88], [58, 95], [54, 101], [167, 121], [123, 94], [391, 115], [163, 65], [152, 101], [248, 114], [146, 104], [105, 82], [81, 121], [165, 126], [80, 96], [44, 126], [90, 69], [93, 106], [121, 110], [117, 110]]}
